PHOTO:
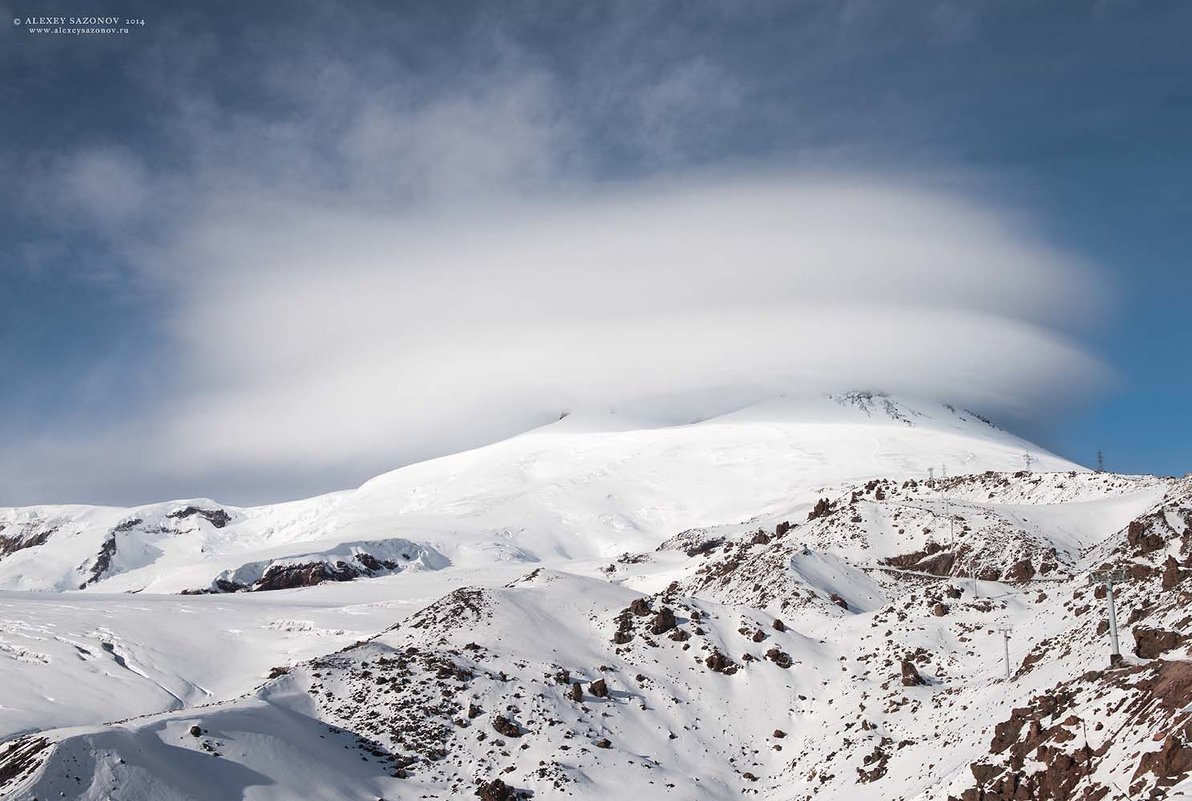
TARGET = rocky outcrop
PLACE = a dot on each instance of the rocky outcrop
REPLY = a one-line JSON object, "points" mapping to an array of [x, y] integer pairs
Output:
{"points": [[506, 727], [1041, 751], [822, 508], [1151, 643], [285, 577], [21, 757], [1143, 537], [363, 559], [216, 517], [720, 663], [664, 621], [11, 543], [103, 560], [780, 658], [910, 675], [497, 790]]}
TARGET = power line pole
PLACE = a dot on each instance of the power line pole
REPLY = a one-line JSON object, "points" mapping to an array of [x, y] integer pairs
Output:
{"points": [[948, 508], [1006, 648], [1107, 578], [1100, 461]]}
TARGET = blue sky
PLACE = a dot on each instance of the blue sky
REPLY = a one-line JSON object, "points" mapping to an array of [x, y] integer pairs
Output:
{"points": [[1067, 122]]}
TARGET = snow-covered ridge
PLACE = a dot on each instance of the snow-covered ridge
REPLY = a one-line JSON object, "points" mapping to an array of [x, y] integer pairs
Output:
{"points": [[797, 607], [586, 486]]}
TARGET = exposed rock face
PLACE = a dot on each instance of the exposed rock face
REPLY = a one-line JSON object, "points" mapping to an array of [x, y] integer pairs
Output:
{"points": [[910, 674], [939, 609], [1142, 536], [1152, 643], [599, 688], [497, 790], [21, 756], [720, 663], [932, 559], [1172, 573], [576, 693], [836, 599], [640, 607], [822, 508], [1022, 570], [16, 542], [284, 577], [1172, 761], [1038, 743], [216, 517], [103, 561], [506, 727], [779, 657], [664, 621]]}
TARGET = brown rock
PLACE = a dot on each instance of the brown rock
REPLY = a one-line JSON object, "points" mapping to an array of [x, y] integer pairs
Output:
{"points": [[720, 663], [1150, 643], [598, 688], [1141, 538], [1172, 574], [664, 621], [576, 693], [910, 675], [506, 727], [497, 790], [1022, 570], [779, 657], [823, 507]]}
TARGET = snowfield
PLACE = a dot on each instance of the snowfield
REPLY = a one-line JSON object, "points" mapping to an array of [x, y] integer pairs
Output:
{"points": [[788, 602]]}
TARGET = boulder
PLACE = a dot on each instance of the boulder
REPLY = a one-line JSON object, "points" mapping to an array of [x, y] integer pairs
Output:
{"points": [[910, 675]]}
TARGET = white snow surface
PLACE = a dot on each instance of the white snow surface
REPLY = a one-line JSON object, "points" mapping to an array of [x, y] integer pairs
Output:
{"points": [[584, 487], [526, 562]]}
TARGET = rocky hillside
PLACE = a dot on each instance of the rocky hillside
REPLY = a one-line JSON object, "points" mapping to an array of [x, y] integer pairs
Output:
{"points": [[847, 645]]}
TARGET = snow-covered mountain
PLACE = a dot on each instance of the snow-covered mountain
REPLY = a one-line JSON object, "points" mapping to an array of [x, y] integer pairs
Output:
{"points": [[580, 488], [787, 602]]}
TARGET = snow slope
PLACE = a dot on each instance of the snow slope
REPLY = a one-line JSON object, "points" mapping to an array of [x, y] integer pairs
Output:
{"points": [[776, 603], [580, 488]]}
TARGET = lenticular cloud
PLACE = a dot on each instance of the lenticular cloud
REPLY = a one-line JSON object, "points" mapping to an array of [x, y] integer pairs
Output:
{"points": [[320, 335]]}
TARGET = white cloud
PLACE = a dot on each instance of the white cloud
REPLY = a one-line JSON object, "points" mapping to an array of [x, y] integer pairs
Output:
{"points": [[318, 336], [391, 268]]}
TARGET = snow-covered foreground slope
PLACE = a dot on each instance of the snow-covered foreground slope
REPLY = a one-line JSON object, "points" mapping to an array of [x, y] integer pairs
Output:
{"points": [[775, 604], [581, 488], [581, 685]]}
